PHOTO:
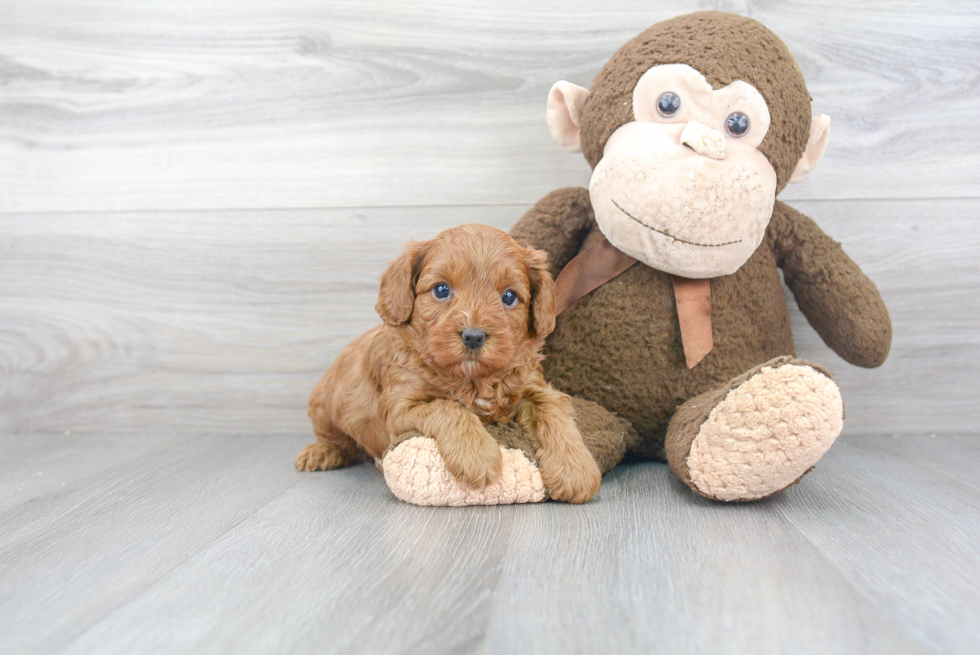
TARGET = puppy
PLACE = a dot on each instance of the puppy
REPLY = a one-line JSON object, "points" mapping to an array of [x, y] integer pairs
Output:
{"points": [[466, 315]]}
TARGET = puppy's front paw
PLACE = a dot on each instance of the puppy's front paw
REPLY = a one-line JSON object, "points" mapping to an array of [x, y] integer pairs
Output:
{"points": [[473, 459], [570, 475]]}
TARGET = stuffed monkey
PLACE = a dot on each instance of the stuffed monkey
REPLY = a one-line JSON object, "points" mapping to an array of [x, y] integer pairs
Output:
{"points": [[672, 311]]}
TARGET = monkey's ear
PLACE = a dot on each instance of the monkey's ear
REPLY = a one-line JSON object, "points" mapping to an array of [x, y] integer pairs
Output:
{"points": [[815, 146], [543, 299], [396, 298], [565, 104]]}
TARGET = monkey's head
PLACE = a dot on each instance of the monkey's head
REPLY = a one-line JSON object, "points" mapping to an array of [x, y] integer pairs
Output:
{"points": [[691, 129]]}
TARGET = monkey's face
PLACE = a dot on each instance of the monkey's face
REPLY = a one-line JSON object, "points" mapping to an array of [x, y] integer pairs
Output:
{"points": [[691, 128], [684, 188]]}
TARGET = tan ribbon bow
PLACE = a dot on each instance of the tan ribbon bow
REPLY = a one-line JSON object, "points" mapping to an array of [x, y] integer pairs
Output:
{"points": [[693, 299], [601, 262]]}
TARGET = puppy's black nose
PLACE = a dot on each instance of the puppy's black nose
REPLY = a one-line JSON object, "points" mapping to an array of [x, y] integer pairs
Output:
{"points": [[473, 338]]}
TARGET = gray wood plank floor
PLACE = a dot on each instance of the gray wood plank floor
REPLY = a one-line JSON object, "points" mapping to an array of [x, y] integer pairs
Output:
{"points": [[214, 544]]}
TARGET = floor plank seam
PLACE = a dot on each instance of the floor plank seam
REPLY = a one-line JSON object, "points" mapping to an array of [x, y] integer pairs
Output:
{"points": [[186, 559], [900, 625], [122, 483]]}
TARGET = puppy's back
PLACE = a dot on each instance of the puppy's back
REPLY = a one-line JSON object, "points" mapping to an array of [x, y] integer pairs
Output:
{"points": [[347, 397]]}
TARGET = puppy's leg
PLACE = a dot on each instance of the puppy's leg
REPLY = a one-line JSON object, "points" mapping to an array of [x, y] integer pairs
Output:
{"points": [[331, 451], [567, 467], [470, 453], [333, 448]]}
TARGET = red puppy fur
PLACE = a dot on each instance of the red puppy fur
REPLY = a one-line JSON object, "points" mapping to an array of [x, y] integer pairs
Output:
{"points": [[466, 315]]}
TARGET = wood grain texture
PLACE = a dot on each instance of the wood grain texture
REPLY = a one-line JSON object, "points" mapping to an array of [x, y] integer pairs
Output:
{"points": [[223, 104], [46, 463], [167, 506], [220, 546], [883, 504], [223, 321]]}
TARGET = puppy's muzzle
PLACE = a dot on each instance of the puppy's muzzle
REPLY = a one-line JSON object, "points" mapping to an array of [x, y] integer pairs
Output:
{"points": [[473, 338]]}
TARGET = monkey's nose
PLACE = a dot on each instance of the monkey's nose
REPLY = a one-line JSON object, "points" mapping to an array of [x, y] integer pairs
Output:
{"points": [[473, 338], [703, 140]]}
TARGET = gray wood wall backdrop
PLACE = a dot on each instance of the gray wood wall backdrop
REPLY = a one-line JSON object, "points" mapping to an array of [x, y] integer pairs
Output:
{"points": [[197, 197]]}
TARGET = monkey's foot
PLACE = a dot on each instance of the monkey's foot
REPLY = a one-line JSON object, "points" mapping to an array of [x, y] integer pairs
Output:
{"points": [[416, 474], [759, 434]]}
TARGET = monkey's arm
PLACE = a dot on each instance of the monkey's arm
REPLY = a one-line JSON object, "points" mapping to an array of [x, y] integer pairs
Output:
{"points": [[838, 300], [557, 224]]}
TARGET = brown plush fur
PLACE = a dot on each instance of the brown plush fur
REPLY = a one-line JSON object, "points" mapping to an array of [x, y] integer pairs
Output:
{"points": [[838, 300], [415, 374]]}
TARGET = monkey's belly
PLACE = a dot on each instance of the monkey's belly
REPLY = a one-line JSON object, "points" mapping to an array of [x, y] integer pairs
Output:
{"points": [[620, 345]]}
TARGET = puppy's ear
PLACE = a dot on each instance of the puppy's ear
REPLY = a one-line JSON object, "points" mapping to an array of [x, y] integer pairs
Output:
{"points": [[396, 298], [542, 293]]}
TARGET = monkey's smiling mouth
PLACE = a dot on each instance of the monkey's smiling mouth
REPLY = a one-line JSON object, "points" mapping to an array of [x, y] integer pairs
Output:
{"points": [[671, 236]]}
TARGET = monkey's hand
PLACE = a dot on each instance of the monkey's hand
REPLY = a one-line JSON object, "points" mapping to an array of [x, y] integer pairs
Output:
{"points": [[837, 298]]}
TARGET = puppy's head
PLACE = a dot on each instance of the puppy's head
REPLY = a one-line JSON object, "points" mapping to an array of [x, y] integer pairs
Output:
{"points": [[476, 302]]}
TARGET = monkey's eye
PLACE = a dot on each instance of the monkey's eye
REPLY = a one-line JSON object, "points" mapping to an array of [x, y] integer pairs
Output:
{"points": [[737, 124], [440, 291], [668, 104], [509, 298]]}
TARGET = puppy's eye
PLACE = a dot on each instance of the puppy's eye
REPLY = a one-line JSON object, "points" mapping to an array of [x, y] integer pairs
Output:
{"points": [[440, 291], [509, 298]]}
